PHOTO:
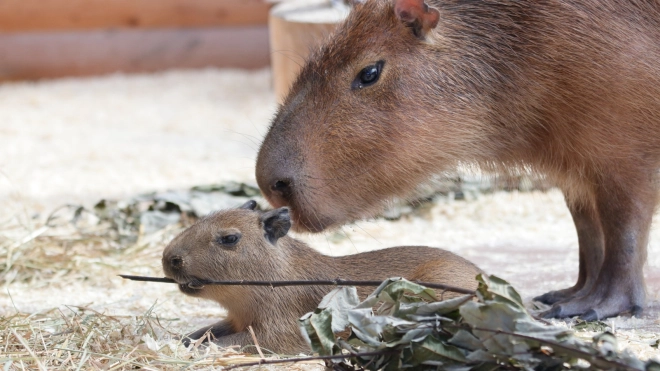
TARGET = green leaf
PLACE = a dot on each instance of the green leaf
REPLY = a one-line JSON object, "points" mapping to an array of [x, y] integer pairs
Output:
{"points": [[331, 316], [495, 288], [393, 289], [321, 321], [309, 334], [374, 329], [433, 349], [466, 340], [443, 307], [339, 301]]}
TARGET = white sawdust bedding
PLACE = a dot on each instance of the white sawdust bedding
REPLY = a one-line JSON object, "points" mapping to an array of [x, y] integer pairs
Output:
{"points": [[80, 140]]}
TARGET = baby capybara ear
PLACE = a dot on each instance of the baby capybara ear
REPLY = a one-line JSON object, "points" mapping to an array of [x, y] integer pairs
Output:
{"points": [[417, 15], [276, 224], [250, 205]]}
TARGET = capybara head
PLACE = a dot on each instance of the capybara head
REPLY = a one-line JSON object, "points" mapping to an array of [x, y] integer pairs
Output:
{"points": [[356, 127], [237, 244]]}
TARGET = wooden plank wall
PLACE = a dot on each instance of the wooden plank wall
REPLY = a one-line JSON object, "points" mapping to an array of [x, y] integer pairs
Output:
{"points": [[54, 38]]}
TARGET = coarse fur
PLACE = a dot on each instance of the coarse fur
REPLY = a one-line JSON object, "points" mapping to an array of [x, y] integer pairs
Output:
{"points": [[567, 89], [198, 254]]}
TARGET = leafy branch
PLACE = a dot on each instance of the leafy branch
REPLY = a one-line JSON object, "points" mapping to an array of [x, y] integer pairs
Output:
{"points": [[493, 331]]}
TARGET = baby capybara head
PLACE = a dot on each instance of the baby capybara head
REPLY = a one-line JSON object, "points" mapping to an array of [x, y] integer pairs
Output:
{"points": [[237, 244], [355, 128]]}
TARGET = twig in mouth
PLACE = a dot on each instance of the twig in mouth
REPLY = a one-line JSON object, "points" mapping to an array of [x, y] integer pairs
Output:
{"points": [[334, 282]]}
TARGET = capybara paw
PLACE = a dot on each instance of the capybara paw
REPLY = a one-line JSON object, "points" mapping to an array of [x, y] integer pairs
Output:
{"points": [[584, 308], [204, 333], [551, 313], [597, 314], [186, 341], [553, 297]]}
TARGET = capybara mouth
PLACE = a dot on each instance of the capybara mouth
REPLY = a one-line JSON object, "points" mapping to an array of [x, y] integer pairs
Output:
{"points": [[187, 289], [189, 285], [313, 223], [304, 219]]}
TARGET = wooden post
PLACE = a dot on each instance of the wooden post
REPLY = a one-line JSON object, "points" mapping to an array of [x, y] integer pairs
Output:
{"points": [[297, 28], [72, 15]]}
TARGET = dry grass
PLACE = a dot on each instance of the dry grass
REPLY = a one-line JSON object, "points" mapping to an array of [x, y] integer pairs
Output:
{"points": [[60, 252], [79, 338]]}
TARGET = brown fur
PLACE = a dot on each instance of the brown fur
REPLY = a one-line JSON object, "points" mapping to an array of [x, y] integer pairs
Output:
{"points": [[273, 312], [568, 89]]}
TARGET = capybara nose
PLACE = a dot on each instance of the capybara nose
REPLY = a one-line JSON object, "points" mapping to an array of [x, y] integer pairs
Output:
{"points": [[281, 186], [275, 176], [176, 262]]}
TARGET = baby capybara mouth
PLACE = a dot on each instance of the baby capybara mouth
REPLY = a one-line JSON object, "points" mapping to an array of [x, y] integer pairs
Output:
{"points": [[190, 288]]}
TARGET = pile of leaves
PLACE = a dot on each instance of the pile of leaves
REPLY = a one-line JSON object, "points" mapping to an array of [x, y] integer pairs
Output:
{"points": [[150, 212], [402, 326]]}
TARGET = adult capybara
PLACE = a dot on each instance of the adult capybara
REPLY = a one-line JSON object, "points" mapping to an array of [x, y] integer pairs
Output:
{"points": [[406, 89], [244, 244]]}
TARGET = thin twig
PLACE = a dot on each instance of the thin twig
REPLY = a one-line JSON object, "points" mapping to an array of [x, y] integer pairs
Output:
{"points": [[316, 358], [334, 282], [256, 343]]}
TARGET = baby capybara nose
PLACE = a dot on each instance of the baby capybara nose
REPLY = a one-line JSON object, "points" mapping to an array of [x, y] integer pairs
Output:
{"points": [[176, 262]]}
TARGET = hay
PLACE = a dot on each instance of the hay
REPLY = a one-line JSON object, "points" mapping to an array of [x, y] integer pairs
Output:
{"points": [[79, 338], [72, 337]]}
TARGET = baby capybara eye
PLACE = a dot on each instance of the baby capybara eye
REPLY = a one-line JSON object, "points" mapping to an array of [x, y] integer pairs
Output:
{"points": [[229, 240]]}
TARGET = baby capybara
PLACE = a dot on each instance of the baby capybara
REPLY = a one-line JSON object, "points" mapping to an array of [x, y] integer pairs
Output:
{"points": [[244, 244]]}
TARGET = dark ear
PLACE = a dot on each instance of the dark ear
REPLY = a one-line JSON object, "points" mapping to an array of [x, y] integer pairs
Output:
{"points": [[275, 223], [250, 205], [417, 15]]}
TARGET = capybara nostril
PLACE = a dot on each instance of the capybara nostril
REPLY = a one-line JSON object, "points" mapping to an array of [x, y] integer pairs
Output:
{"points": [[282, 186], [280, 193], [176, 262]]}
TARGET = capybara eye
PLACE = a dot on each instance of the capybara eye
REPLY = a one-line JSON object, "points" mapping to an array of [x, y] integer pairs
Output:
{"points": [[368, 76], [229, 240]]}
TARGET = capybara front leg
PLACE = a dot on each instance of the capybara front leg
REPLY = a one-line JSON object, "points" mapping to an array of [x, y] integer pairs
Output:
{"points": [[625, 208], [212, 332], [591, 251]]}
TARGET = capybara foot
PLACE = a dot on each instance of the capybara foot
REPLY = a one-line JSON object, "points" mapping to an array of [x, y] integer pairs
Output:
{"points": [[593, 307], [557, 296], [191, 338], [212, 332]]}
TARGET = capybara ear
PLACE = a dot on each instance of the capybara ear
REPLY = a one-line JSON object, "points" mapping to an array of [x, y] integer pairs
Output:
{"points": [[250, 205], [417, 15], [276, 224]]}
